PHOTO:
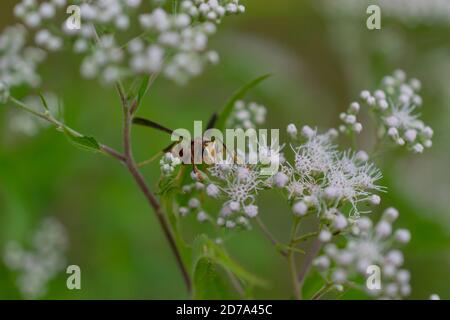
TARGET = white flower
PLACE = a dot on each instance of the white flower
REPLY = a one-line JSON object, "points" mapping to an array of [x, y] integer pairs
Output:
{"points": [[234, 205], [367, 246], [212, 190], [300, 208], [315, 156], [18, 63], [349, 118], [322, 262], [390, 214], [280, 179], [177, 40], [395, 104], [168, 163], [202, 216], [383, 229], [246, 116], [402, 236], [325, 236], [292, 131], [39, 265], [194, 203], [237, 189], [251, 211], [375, 199], [353, 180], [339, 222]]}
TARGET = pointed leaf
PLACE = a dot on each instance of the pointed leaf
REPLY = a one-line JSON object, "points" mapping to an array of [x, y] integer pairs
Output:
{"points": [[143, 89], [83, 142], [44, 102], [208, 284], [204, 247], [238, 95]]}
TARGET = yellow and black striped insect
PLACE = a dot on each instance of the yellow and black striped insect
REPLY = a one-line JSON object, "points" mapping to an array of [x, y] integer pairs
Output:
{"points": [[209, 147]]}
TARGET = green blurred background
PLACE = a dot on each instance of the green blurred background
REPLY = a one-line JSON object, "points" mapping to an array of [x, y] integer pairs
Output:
{"points": [[319, 60]]}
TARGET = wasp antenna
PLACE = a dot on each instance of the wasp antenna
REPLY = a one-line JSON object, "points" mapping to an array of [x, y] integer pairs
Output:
{"points": [[151, 124], [212, 121], [170, 147]]}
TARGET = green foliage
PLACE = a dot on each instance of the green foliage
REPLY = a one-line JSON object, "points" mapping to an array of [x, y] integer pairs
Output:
{"points": [[238, 95], [83, 142], [208, 282], [206, 252], [143, 89], [44, 101]]}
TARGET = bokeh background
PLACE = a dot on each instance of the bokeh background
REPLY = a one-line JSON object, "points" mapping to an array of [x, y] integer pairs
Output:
{"points": [[320, 58]]}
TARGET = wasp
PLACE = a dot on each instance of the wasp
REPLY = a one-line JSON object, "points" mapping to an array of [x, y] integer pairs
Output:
{"points": [[211, 149]]}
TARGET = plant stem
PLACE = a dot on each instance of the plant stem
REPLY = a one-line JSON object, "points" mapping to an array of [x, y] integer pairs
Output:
{"points": [[270, 236], [151, 198], [312, 253], [291, 261], [128, 160], [305, 237], [61, 126], [322, 291]]}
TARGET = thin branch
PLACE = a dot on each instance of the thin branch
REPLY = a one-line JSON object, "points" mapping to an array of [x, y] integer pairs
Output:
{"points": [[113, 153], [236, 284], [305, 237], [270, 236], [123, 98], [150, 160], [135, 105], [307, 263], [151, 198], [322, 291], [291, 261], [61, 126]]}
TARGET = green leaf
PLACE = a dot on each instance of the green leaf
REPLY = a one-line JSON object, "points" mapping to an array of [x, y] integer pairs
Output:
{"points": [[208, 283], [44, 102], [167, 201], [238, 95], [143, 89], [203, 248], [83, 142]]}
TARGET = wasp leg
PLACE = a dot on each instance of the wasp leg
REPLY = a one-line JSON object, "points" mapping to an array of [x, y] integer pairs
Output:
{"points": [[196, 171], [198, 174]]}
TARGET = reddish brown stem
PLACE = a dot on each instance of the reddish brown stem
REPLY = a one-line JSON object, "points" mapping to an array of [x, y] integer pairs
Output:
{"points": [[151, 198]]}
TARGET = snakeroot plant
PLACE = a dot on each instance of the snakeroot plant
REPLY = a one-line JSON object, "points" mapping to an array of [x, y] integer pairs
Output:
{"points": [[334, 187]]}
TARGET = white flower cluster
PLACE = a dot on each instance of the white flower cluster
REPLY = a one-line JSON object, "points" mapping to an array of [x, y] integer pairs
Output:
{"points": [[323, 178], [428, 12], [174, 43], [34, 14], [246, 116], [168, 163], [105, 61], [395, 104], [320, 180], [18, 63], [194, 205], [350, 120], [239, 184], [213, 10], [366, 246], [28, 124], [36, 267]]}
